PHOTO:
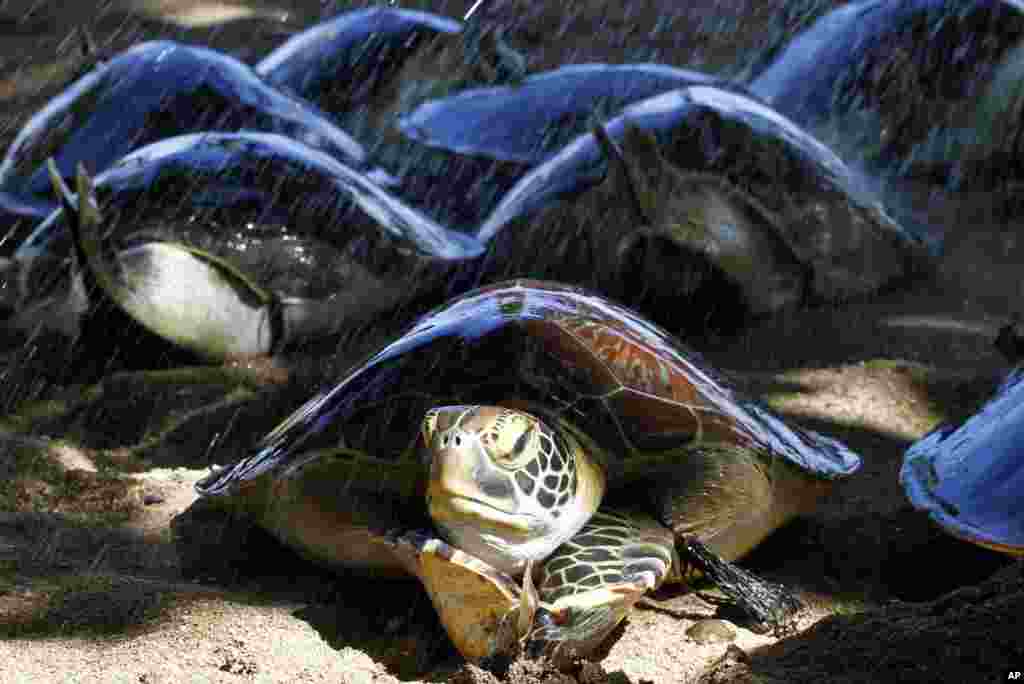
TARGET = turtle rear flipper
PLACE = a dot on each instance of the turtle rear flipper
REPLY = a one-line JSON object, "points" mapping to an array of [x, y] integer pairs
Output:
{"points": [[724, 503], [766, 603]]}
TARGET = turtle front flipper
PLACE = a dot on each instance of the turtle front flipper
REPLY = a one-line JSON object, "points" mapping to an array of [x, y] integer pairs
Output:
{"points": [[478, 605], [582, 592], [592, 582]]}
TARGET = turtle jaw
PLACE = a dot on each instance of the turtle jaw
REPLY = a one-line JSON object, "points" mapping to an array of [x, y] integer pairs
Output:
{"points": [[500, 539], [452, 511]]}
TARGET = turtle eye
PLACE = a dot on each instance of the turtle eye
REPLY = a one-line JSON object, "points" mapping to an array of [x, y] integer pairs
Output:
{"points": [[521, 443], [513, 456], [457, 441]]}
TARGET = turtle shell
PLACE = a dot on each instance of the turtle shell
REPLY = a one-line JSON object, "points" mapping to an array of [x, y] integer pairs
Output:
{"points": [[293, 218], [574, 356], [259, 178], [897, 82], [969, 478], [341, 63], [152, 91], [800, 198], [530, 121], [487, 139]]}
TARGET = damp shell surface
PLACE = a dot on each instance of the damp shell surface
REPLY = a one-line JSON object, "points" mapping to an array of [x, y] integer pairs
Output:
{"points": [[149, 92], [968, 478], [909, 86], [339, 63], [625, 382], [530, 121], [802, 198]]}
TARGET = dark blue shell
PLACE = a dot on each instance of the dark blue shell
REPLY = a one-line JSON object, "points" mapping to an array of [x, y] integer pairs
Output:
{"points": [[152, 91], [339, 63], [907, 71], [460, 155], [622, 380], [224, 182], [970, 478], [529, 122]]}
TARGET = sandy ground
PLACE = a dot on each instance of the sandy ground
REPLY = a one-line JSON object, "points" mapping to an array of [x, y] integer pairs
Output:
{"points": [[115, 602]]}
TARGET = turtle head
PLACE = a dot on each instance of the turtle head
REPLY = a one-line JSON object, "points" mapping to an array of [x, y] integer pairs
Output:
{"points": [[693, 232], [504, 486]]}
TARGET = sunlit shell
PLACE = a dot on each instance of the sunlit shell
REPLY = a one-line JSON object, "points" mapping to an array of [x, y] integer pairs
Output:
{"points": [[970, 478]]}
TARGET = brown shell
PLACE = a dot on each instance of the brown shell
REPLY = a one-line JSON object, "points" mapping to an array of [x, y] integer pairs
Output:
{"points": [[628, 385]]}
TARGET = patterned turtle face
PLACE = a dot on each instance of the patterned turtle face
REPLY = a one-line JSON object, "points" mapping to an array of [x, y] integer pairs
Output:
{"points": [[503, 485]]}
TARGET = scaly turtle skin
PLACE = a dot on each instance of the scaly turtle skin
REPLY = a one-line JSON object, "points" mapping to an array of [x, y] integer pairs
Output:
{"points": [[968, 478], [533, 399], [916, 87], [700, 185], [153, 91]]}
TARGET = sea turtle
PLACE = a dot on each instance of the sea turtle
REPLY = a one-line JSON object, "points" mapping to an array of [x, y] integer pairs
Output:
{"points": [[151, 91], [538, 403], [968, 477], [280, 242], [140, 305], [697, 187], [487, 139], [359, 68], [910, 87], [181, 294]]}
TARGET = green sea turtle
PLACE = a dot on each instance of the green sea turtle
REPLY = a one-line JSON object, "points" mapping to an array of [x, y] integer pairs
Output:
{"points": [[536, 405], [341, 63], [728, 209], [190, 238]]}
